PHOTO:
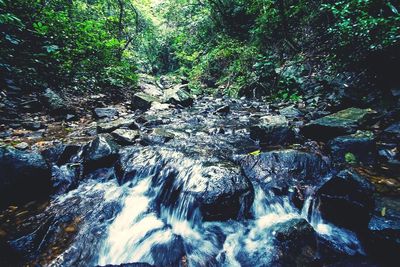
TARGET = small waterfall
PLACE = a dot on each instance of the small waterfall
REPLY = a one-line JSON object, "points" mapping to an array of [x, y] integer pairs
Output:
{"points": [[340, 238]]}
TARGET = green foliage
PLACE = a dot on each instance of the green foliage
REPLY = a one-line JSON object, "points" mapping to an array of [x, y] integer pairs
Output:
{"points": [[350, 158], [65, 43], [364, 26]]}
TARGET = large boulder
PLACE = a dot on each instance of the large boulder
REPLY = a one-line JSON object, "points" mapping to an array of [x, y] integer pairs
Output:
{"points": [[150, 89], [361, 144], [383, 237], [143, 101], [54, 102], [125, 136], [218, 190], [99, 153], [285, 171], [296, 242], [178, 96], [347, 200], [272, 130], [341, 123], [24, 176]]}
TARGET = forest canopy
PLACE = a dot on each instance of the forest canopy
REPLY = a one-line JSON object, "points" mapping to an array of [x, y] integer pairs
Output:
{"points": [[232, 45]]}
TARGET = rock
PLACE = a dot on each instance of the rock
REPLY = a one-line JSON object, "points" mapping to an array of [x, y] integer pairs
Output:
{"points": [[143, 101], [383, 238], [125, 136], [99, 153], [393, 129], [129, 265], [290, 112], [285, 171], [341, 123], [347, 201], [178, 96], [66, 177], [150, 89], [395, 91], [272, 130], [361, 145], [223, 110], [70, 117], [61, 154], [101, 113], [22, 146], [32, 125], [224, 193], [24, 176], [136, 162], [54, 102], [296, 242], [218, 190], [108, 127], [158, 136]]}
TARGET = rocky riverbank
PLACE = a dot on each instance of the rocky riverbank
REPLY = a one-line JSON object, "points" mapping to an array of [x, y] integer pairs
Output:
{"points": [[264, 184]]}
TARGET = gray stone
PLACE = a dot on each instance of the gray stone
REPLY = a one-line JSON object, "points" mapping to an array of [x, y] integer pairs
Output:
{"points": [[272, 130], [108, 127], [143, 101], [343, 122], [102, 113], [125, 136]]}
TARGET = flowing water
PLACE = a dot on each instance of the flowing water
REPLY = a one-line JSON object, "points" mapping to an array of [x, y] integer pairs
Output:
{"points": [[145, 231], [152, 215]]}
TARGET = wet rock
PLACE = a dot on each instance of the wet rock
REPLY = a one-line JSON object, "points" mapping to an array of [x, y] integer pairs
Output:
{"points": [[223, 110], [178, 96], [296, 242], [125, 136], [158, 136], [341, 123], [290, 112], [54, 102], [347, 201], [22, 146], [99, 153], [101, 113], [65, 177], [218, 190], [285, 171], [32, 125], [393, 129], [383, 238], [168, 253], [361, 145], [272, 130], [143, 101], [108, 127], [137, 162], [224, 193], [24, 176], [130, 265], [61, 153]]}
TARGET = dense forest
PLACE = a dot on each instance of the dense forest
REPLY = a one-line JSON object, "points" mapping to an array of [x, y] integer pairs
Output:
{"points": [[140, 133], [230, 46]]}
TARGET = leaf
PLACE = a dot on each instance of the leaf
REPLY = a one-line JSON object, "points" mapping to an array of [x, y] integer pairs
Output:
{"points": [[383, 212], [51, 48], [255, 153], [393, 8], [350, 158]]}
